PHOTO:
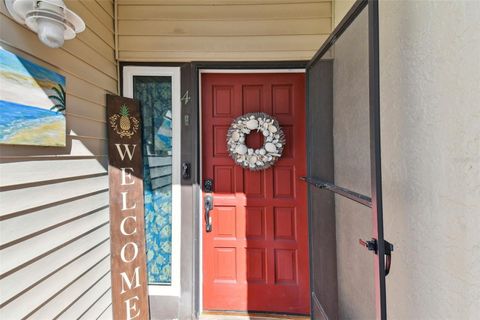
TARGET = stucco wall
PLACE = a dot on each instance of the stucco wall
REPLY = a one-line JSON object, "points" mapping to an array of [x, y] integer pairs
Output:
{"points": [[430, 101], [54, 232], [430, 119]]}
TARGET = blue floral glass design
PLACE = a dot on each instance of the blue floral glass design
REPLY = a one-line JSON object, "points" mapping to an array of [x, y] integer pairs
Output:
{"points": [[155, 96]]}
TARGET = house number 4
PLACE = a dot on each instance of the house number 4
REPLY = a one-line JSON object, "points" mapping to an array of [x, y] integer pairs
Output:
{"points": [[186, 98]]}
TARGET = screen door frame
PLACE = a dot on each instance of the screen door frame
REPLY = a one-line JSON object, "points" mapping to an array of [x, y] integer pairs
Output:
{"points": [[376, 202]]}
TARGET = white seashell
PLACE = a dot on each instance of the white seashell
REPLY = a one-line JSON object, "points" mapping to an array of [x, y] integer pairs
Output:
{"points": [[270, 158], [250, 151], [241, 149], [252, 124], [235, 136], [253, 159], [265, 125], [241, 139], [259, 163], [245, 130], [262, 151], [252, 117], [266, 133], [270, 147], [279, 145], [269, 139], [272, 129], [257, 151], [239, 160], [277, 136]]}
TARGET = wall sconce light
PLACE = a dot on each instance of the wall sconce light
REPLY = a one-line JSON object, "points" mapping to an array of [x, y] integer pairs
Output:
{"points": [[50, 19]]}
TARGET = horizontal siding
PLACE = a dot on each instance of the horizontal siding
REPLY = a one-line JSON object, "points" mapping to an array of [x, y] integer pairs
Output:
{"points": [[213, 2], [100, 288], [106, 314], [85, 290], [186, 30], [103, 303], [35, 171], [28, 250], [54, 231], [42, 220], [155, 56], [221, 44], [37, 297], [85, 127], [84, 108], [225, 12], [107, 6], [340, 9], [218, 28], [103, 29], [27, 42], [48, 194], [77, 146], [39, 270]]}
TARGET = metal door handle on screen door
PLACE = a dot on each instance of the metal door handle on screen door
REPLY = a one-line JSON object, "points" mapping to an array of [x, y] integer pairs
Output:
{"points": [[208, 207], [373, 246]]}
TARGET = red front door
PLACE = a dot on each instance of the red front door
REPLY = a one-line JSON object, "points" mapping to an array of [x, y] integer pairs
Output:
{"points": [[256, 257]]}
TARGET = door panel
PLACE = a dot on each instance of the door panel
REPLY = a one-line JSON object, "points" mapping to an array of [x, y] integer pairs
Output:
{"points": [[256, 257]]}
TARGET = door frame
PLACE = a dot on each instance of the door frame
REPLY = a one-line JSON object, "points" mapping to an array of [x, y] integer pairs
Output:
{"points": [[129, 72], [189, 303], [242, 68]]}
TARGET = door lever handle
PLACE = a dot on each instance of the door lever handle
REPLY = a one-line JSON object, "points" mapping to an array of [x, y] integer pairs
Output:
{"points": [[208, 207], [372, 245]]}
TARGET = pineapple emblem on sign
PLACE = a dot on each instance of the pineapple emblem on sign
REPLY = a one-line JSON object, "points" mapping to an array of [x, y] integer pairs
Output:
{"points": [[124, 124]]}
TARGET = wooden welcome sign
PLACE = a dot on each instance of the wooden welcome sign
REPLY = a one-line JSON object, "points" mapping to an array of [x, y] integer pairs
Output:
{"points": [[127, 235]]}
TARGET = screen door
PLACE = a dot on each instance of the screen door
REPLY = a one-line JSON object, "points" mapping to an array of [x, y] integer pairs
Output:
{"points": [[349, 257]]}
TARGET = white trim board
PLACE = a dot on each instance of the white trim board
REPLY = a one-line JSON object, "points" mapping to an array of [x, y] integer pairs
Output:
{"points": [[128, 73]]}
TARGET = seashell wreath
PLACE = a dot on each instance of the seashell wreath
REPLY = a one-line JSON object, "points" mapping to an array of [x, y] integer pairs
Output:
{"points": [[255, 159]]}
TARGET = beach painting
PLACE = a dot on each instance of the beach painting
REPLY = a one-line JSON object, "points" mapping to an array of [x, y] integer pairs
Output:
{"points": [[32, 103]]}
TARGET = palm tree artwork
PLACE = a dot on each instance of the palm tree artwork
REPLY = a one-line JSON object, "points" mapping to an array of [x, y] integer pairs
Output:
{"points": [[59, 98]]}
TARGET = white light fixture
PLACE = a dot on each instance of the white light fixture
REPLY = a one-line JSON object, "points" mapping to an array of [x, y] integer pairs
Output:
{"points": [[51, 19]]}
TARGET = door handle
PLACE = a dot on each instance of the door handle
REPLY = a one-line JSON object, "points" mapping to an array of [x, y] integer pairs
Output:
{"points": [[208, 202], [372, 245]]}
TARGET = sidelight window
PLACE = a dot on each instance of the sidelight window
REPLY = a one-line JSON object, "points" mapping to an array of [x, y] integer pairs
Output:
{"points": [[157, 91]]}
